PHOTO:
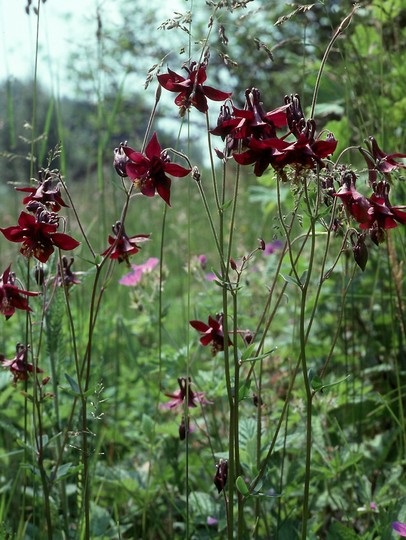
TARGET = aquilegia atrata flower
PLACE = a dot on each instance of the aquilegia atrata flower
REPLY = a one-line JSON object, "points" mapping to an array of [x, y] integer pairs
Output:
{"points": [[191, 90], [11, 296], [38, 235], [45, 193], [212, 332], [19, 365], [373, 213], [149, 171], [185, 391], [121, 245]]}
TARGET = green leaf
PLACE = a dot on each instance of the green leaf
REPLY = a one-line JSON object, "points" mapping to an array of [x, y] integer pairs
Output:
{"points": [[226, 205], [147, 426], [255, 358], [247, 353], [243, 390], [338, 531], [317, 383], [290, 279], [73, 385], [242, 486], [67, 469]]}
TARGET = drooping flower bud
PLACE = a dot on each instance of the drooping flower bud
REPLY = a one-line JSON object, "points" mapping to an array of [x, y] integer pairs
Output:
{"points": [[220, 478], [360, 250]]}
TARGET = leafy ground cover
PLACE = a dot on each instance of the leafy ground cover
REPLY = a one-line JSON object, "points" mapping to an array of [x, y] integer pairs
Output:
{"points": [[228, 359]]}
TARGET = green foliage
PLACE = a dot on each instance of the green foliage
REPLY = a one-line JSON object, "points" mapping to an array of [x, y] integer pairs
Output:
{"points": [[145, 479]]}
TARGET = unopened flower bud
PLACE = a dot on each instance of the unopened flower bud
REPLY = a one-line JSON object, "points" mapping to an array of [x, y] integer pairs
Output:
{"points": [[196, 174], [120, 160], [45, 380], [233, 264], [360, 251], [39, 275], [220, 478], [257, 401], [261, 244], [248, 337]]}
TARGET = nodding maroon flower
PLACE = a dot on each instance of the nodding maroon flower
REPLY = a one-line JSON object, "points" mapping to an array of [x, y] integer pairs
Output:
{"points": [[39, 235], [120, 160], [374, 213], [220, 478], [66, 278], [191, 90], [44, 194], [384, 163], [121, 245], [185, 393], [19, 366], [356, 204], [11, 296], [250, 121], [212, 332], [149, 171]]}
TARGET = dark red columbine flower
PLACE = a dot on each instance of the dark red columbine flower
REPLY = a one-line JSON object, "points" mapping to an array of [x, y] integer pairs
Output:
{"points": [[379, 161], [374, 213], [10, 295], [306, 151], [212, 332], [19, 366], [251, 121], [384, 163], [38, 235], [121, 245], [220, 478], [356, 204], [44, 193], [185, 391], [191, 90], [149, 171]]}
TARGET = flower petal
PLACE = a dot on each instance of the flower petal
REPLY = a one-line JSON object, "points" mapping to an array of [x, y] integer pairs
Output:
{"points": [[215, 95], [64, 241], [176, 170], [153, 148]]}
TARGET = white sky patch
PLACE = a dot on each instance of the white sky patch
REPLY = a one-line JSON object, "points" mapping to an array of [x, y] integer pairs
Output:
{"points": [[63, 27]]}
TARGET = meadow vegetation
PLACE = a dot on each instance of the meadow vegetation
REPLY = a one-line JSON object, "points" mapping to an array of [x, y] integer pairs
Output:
{"points": [[203, 306]]}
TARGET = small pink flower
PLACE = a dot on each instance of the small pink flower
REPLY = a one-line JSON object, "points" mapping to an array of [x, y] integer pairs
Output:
{"points": [[272, 247], [399, 527], [134, 277]]}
